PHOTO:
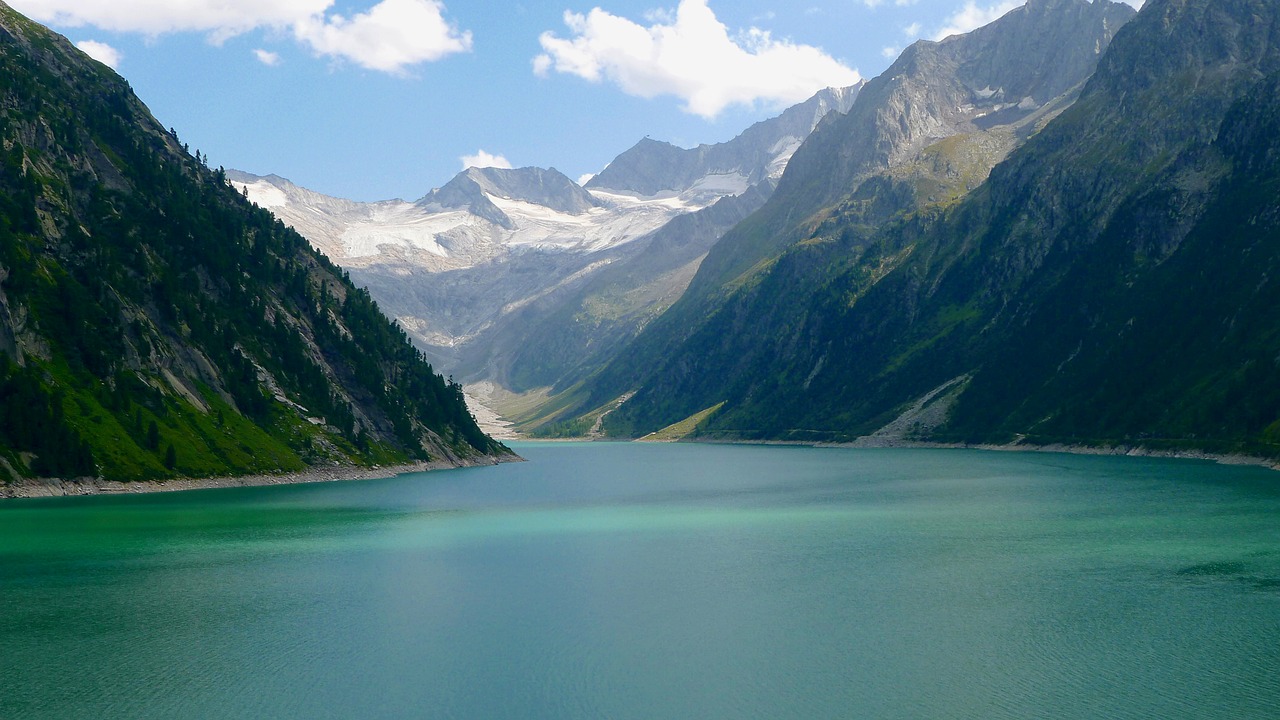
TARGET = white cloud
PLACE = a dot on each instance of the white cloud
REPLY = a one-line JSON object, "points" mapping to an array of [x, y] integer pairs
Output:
{"points": [[390, 36], [691, 56], [266, 57], [890, 52], [877, 3], [101, 52], [220, 18], [971, 17], [584, 179], [912, 30], [483, 159]]}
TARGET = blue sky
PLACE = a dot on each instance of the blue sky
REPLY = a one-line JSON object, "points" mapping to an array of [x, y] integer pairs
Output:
{"points": [[374, 99]]}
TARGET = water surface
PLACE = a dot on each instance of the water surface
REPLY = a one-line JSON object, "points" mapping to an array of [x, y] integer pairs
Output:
{"points": [[659, 581]]}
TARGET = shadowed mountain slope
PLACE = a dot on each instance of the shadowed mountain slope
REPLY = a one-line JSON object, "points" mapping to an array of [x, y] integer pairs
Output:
{"points": [[1112, 282], [154, 323], [917, 140]]}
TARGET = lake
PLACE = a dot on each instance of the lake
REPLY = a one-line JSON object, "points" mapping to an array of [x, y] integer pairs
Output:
{"points": [[659, 581]]}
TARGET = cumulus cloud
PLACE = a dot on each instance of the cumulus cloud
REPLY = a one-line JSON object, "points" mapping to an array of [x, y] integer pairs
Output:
{"points": [[266, 57], [971, 16], [483, 159], [101, 52], [691, 56], [222, 19], [390, 36]]}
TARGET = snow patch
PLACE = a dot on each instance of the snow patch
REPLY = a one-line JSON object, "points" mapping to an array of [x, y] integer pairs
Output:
{"points": [[404, 230], [782, 152], [436, 238], [264, 194], [722, 184], [618, 222]]}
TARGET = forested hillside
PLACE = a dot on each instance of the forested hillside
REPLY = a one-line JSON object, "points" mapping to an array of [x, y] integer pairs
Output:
{"points": [[1112, 282], [155, 323]]}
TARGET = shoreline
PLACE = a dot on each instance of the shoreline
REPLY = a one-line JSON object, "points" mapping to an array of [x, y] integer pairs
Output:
{"points": [[882, 443], [1119, 450], [57, 487]]}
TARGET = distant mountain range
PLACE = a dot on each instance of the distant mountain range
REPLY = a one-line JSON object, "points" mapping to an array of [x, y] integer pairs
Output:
{"points": [[154, 323], [1059, 228], [523, 279]]}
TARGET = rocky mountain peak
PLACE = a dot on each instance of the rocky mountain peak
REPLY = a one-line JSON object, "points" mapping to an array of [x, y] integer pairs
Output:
{"points": [[1001, 71], [473, 188], [549, 188], [762, 151], [1040, 50], [647, 168]]}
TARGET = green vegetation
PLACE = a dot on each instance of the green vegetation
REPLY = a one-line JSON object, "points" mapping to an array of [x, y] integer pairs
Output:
{"points": [[154, 323], [585, 425], [684, 429], [1112, 282]]}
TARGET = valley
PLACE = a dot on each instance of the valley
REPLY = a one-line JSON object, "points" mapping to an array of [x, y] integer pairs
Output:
{"points": [[1045, 231]]}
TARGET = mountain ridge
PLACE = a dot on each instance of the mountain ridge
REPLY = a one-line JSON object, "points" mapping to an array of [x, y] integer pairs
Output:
{"points": [[908, 149], [154, 324], [1108, 285], [472, 267], [761, 151]]}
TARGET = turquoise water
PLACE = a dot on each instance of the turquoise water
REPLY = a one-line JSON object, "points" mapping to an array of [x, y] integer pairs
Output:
{"points": [[659, 581]]}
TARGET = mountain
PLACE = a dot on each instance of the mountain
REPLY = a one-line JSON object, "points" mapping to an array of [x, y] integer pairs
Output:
{"points": [[522, 278], [1110, 283], [918, 139], [762, 151], [153, 323], [481, 216], [985, 91], [555, 338], [472, 189], [548, 188]]}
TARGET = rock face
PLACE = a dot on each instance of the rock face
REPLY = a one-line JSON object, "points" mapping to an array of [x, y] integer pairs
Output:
{"points": [[998, 76], [653, 167], [471, 190], [1111, 282], [524, 278], [154, 324]]}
